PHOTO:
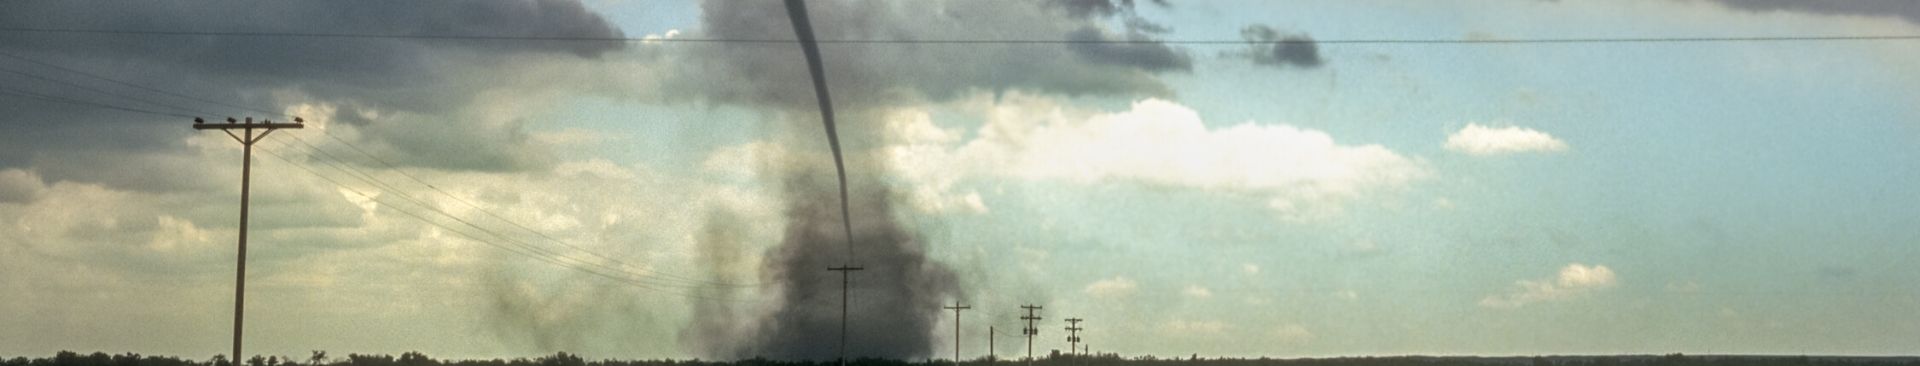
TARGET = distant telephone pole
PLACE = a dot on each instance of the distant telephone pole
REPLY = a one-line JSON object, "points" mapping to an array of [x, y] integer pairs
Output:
{"points": [[957, 307], [246, 138], [1030, 331], [1073, 335], [844, 282], [990, 334]]}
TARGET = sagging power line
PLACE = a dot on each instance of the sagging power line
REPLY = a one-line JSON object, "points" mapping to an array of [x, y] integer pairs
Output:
{"points": [[49, 98], [619, 270], [1377, 41]]}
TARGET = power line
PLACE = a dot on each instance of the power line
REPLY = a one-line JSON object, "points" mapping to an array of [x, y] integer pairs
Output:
{"points": [[356, 173], [92, 89], [50, 98], [616, 263], [1399, 41], [132, 85], [516, 249], [355, 148], [535, 249], [339, 164]]}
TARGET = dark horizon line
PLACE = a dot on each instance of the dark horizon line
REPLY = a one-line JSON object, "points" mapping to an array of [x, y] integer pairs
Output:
{"points": [[4, 359]]}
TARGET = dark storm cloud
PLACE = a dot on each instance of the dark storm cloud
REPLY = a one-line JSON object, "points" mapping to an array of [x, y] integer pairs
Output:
{"points": [[567, 315], [1272, 48], [876, 75], [424, 77], [1100, 8], [721, 251], [1146, 56], [1907, 10]]}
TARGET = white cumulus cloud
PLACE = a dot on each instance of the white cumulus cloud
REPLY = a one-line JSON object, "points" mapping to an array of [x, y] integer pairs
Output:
{"points": [[1154, 142], [1574, 280], [1482, 140], [1161, 142], [655, 38]]}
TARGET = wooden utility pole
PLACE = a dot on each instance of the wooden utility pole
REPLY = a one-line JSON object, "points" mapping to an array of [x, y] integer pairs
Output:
{"points": [[1030, 331], [246, 138], [990, 334], [957, 307], [844, 282], [1073, 335]]}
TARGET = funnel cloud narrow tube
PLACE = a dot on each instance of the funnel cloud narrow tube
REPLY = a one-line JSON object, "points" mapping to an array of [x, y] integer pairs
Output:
{"points": [[797, 11]]}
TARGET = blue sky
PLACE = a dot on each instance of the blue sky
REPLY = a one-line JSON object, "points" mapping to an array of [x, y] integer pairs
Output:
{"points": [[1492, 199]]}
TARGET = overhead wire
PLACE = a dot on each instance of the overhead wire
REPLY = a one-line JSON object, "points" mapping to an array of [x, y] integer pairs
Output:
{"points": [[49, 98], [341, 165], [615, 263], [667, 279], [523, 251], [128, 84], [1397, 41], [525, 248], [90, 89], [356, 148]]}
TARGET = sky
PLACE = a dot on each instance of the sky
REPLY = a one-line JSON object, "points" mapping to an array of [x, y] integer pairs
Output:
{"points": [[660, 198]]}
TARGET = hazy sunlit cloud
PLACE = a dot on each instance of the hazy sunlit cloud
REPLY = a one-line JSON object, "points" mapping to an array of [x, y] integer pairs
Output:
{"points": [[1119, 286], [1292, 333], [1194, 327], [1197, 292], [1482, 140], [1156, 142], [1574, 280]]}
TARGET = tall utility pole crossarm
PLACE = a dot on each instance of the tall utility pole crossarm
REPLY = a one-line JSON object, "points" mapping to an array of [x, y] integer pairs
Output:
{"points": [[1030, 331], [1073, 335], [957, 307], [844, 283], [246, 137]]}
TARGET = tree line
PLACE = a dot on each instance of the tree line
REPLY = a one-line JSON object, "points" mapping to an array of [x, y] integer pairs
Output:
{"points": [[320, 358]]}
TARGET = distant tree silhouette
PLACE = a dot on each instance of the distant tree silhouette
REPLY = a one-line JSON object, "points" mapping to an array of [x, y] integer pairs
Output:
{"points": [[69, 358], [416, 359], [562, 359]]}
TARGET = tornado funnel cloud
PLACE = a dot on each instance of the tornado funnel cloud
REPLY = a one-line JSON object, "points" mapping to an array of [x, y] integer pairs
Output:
{"points": [[896, 301], [797, 12]]}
